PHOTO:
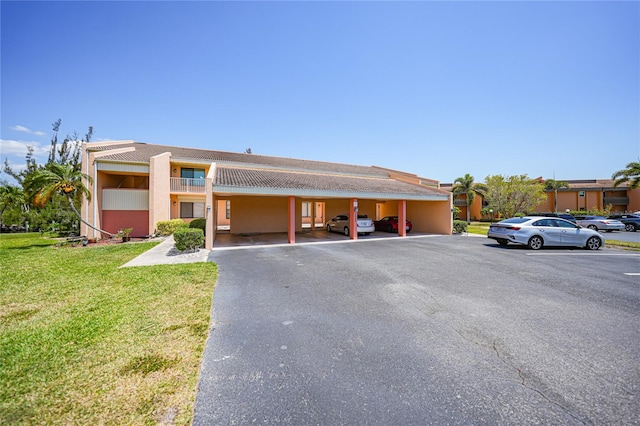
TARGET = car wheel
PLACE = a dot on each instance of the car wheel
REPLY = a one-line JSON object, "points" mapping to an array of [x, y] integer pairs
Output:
{"points": [[630, 227], [595, 228], [346, 231], [503, 242], [328, 228], [594, 243], [535, 243]]}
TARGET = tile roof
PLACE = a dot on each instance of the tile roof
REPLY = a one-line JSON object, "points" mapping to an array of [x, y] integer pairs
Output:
{"points": [[251, 173], [143, 153], [265, 178]]}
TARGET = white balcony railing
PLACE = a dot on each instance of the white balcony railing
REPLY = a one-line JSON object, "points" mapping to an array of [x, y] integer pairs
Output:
{"points": [[187, 185]]}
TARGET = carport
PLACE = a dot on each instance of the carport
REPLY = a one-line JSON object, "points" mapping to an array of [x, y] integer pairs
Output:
{"points": [[264, 201]]}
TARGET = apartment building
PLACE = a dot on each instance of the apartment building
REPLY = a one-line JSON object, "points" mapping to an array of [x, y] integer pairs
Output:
{"points": [[136, 185], [584, 194]]}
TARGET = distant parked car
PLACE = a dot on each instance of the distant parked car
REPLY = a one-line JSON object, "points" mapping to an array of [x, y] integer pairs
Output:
{"points": [[631, 221], [600, 223], [340, 223], [538, 231], [390, 224], [566, 216]]}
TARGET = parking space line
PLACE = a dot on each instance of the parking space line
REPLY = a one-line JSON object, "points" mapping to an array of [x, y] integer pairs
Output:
{"points": [[632, 273], [584, 254]]}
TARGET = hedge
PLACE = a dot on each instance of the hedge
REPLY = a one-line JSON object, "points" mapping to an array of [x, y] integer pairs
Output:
{"points": [[188, 239], [168, 227], [459, 226]]}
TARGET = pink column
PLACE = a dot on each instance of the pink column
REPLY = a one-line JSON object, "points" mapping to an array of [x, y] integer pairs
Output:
{"points": [[353, 219], [402, 218], [292, 220]]}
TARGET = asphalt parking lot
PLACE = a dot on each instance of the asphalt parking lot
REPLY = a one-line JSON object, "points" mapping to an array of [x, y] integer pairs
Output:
{"points": [[429, 330]]}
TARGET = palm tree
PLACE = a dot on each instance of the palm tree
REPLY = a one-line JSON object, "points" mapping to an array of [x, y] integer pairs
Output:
{"points": [[63, 179], [554, 185], [631, 174], [10, 197], [466, 185]]}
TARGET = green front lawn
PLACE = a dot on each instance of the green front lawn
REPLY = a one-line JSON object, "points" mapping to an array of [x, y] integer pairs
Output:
{"points": [[85, 342]]}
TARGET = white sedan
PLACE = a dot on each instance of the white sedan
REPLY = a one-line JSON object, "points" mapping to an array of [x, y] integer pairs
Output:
{"points": [[600, 223], [340, 223], [536, 232]]}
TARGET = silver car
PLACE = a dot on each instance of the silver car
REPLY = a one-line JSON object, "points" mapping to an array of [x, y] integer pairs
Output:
{"points": [[340, 223], [600, 223], [537, 232]]}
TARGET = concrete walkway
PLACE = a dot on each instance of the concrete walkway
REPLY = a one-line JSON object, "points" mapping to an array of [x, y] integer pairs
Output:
{"points": [[166, 253]]}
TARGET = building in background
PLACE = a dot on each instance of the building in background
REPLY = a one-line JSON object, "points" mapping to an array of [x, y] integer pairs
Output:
{"points": [[585, 194]]}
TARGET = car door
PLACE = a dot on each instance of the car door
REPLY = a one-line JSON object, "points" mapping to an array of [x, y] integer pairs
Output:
{"points": [[340, 222], [570, 234], [551, 234]]}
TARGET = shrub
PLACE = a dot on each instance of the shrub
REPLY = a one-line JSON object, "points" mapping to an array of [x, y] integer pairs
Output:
{"points": [[459, 226], [168, 227], [199, 224], [188, 239]]}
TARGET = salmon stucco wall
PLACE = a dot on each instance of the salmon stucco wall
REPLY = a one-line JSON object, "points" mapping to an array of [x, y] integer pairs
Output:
{"points": [[159, 189], [430, 216], [336, 206], [259, 214], [634, 200]]}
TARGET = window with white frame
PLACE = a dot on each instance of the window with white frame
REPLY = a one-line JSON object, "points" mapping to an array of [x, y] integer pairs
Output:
{"points": [[306, 209]]}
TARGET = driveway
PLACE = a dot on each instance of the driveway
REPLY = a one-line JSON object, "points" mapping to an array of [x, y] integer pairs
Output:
{"points": [[429, 330]]}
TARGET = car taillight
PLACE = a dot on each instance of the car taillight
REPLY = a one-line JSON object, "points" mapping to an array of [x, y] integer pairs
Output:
{"points": [[514, 228]]}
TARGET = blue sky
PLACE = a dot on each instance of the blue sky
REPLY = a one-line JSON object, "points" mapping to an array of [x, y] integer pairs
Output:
{"points": [[439, 89]]}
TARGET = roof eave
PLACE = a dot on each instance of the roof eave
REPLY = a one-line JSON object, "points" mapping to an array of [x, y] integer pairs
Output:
{"points": [[317, 193]]}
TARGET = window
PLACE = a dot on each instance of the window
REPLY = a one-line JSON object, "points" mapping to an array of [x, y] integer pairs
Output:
{"points": [[228, 209], [191, 210], [196, 174], [581, 194], [192, 173], [306, 209]]}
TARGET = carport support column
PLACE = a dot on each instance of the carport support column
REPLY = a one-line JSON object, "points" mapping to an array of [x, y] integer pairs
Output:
{"points": [[402, 218], [210, 208], [353, 219], [292, 220]]}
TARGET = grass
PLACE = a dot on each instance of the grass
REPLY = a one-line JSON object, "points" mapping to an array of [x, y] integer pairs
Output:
{"points": [[481, 228], [85, 342]]}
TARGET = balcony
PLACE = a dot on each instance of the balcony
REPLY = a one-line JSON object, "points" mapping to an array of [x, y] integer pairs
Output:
{"points": [[189, 185], [616, 201], [460, 202]]}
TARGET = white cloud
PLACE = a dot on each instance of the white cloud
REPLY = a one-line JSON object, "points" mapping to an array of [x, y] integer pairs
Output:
{"points": [[20, 148], [23, 129]]}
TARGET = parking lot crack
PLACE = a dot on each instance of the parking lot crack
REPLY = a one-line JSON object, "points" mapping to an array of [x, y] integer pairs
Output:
{"points": [[524, 383]]}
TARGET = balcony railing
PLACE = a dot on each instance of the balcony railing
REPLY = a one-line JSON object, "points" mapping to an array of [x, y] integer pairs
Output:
{"points": [[460, 202], [616, 201], [187, 185]]}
